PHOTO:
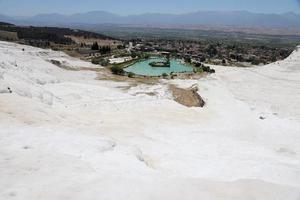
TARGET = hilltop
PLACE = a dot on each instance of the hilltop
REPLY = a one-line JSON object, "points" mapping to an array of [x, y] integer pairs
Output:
{"points": [[36, 35]]}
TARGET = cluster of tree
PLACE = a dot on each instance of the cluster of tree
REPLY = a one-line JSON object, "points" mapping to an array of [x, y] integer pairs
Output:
{"points": [[102, 50], [211, 50], [200, 67], [48, 34], [100, 61], [105, 49], [37, 33], [139, 54], [121, 47], [95, 46]]}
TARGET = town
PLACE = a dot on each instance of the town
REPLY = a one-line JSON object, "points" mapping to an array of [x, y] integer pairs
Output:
{"points": [[120, 53]]}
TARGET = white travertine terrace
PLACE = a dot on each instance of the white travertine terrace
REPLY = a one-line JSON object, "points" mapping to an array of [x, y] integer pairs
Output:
{"points": [[66, 135]]}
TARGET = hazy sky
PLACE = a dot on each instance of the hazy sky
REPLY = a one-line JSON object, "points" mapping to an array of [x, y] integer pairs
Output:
{"points": [[123, 7]]}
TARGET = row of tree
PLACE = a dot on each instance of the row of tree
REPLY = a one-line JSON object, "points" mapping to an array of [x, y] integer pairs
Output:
{"points": [[103, 49]]}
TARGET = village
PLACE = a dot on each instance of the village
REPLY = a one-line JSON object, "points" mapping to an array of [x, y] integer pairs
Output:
{"points": [[104, 50], [240, 55]]}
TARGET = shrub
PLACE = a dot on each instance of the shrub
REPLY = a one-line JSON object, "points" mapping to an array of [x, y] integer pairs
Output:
{"points": [[212, 71], [118, 70], [198, 64], [206, 68], [165, 75], [131, 75], [255, 62], [198, 70], [146, 56], [134, 54], [104, 62], [95, 61]]}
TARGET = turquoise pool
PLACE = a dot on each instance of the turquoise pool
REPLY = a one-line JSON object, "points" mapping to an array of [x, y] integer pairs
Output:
{"points": [[143, 68]]}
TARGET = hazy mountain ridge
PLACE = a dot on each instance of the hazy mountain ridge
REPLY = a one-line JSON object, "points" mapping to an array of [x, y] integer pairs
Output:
{"points": [[233, 18]]}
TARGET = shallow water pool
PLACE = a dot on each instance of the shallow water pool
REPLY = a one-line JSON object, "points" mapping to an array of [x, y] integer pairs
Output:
{"points": [[143, 68]]}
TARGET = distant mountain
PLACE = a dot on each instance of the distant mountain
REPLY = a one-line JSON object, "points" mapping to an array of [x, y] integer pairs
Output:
{"points": [[224, 18], [49, 18], [4, 18], [5, 24], [95, 17]]}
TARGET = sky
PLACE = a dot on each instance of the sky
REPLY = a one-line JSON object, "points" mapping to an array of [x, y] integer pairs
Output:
{"points": [[126, 7]]}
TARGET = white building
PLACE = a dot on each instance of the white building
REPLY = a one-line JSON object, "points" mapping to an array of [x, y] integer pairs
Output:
{"points": [[119, 60]]}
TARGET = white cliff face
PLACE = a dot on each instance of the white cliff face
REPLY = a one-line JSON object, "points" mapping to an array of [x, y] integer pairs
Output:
{"points": [[66, 135]]}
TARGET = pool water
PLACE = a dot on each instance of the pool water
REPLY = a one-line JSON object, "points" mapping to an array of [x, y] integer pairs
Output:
{"points": [[143, 68]]}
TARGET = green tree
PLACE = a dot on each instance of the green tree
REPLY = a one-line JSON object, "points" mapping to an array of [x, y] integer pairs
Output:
{"points": [[95, 46], [188, 60], [118, 70], [211, 50], [105, 49]]}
